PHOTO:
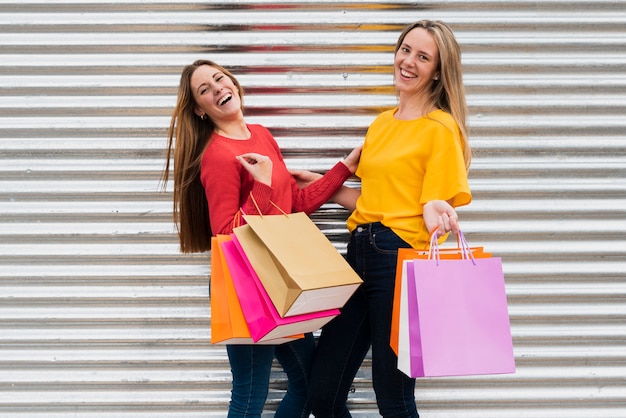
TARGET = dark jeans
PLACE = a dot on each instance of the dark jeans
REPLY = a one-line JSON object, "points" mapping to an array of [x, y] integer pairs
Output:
{"points": [[365, 321], [251, 366]]}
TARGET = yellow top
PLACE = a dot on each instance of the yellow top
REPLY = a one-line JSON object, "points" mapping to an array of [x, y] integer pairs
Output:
{"points": [[404, 165]]}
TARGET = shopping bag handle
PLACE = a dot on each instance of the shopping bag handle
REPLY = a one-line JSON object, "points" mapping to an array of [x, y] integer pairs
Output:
{"points": [[435, 229], [433, 250], [237, 219], [259, 210]]}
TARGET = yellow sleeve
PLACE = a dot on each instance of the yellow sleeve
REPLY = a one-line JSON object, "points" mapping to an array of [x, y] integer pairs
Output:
{"points": [[446, 177]]}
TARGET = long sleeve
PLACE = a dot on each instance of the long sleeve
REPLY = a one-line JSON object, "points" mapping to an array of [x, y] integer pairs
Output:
{"points": [[309, 199], [229, 187]]}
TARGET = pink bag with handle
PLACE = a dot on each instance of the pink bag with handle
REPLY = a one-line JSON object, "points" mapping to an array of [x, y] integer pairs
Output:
{"points": [[264, 321], [454, 318]]}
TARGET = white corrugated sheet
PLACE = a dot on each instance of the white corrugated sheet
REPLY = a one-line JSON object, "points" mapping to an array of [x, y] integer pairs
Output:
{"points": [[100, 316]]}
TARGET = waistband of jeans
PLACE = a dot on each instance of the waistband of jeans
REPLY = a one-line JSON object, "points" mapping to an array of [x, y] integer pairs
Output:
{"points": [[370, 228]]}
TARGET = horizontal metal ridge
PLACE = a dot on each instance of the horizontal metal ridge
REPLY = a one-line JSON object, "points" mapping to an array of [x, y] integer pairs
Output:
{"points": [[312, 82], [610, 186], [127, 271], [341, 102], [499, 145], [301, 61], [326, 18], [603, 124], [286, 41]]}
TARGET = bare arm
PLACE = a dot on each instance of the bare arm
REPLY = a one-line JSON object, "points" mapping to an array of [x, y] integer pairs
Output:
{"points": [[346, 197]]}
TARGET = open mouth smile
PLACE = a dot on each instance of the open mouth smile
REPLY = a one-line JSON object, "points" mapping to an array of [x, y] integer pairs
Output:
{"points": [[407, 74], [225, 99]]}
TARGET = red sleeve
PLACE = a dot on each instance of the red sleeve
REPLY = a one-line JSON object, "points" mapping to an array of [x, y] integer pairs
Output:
{"points": [[309, 199], [257, 201]]}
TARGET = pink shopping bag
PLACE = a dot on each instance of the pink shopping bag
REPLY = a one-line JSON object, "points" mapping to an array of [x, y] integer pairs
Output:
{"points": [[454, 318], [264, 321], [228, 325], [411, 253]]}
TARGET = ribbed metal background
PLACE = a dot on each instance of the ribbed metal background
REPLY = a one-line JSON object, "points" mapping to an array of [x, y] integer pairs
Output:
{"points": [[100, 316]]}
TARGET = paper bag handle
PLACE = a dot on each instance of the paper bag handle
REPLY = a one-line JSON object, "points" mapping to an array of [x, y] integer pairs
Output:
{"points": [[466, 251], [259, 210], [237, 219]]}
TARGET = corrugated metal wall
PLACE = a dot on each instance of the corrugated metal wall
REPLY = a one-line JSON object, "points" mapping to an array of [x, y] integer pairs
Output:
{"points": [[100, 316]]}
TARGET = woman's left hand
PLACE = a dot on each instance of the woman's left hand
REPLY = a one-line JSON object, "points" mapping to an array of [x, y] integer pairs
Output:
{"points": [[259, 166], [304, 177]]}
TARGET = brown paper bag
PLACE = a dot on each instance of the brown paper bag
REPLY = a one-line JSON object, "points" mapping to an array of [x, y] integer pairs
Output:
{"points": [[299, 267]]}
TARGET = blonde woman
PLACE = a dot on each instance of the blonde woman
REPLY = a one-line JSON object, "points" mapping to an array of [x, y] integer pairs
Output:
{"points": [[413, 172]]}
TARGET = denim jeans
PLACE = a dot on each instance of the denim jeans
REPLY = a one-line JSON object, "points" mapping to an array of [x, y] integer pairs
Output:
{"points": [[251, 366], [365, 321]]}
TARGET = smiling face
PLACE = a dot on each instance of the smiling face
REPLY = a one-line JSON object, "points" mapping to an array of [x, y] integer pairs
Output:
{"points": [[416, 63], [215, 94]]}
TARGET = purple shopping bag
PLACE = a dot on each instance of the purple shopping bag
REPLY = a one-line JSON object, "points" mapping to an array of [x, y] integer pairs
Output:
{"points": [[264, 321], [454, 319]]}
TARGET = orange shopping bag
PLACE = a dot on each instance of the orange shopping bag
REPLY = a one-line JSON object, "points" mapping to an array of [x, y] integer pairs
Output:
{"points": [[410, 254], [228, 325]]}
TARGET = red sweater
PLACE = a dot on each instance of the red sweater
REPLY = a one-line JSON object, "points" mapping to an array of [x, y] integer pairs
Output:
{"points": [[228, 185]]}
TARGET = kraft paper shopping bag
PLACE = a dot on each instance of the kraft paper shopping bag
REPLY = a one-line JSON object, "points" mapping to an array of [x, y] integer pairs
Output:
{"points": [[228, 325], [411, 253], [458, 321], [299, 267], [262, 318]]}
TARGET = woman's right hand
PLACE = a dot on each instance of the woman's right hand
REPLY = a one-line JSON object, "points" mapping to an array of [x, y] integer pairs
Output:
{"points": [[439, 215], [352, 160], [259, 166]]}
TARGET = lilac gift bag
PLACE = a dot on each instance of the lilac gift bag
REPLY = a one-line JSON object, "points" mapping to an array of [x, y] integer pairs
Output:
{"points": [[454, 318]]}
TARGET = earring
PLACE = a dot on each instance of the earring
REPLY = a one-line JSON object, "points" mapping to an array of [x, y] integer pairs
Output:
{"points": [[204, 117], [436, 78]]}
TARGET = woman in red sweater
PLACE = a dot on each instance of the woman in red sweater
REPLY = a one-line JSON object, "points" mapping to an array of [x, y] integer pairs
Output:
{"points": [[221, 164]]}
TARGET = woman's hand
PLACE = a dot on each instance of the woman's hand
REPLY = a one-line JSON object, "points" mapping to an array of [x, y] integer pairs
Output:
{"points": [[304, 177], [259, 166], [352, 160], [440, 215]]}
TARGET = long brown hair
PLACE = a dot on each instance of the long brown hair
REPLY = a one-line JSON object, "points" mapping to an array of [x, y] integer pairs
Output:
{"points": [[448, 92], [192, 134]]}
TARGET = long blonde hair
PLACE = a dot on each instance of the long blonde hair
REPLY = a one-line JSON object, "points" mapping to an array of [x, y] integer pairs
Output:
{"points": [[448, 92], [192, 134]]}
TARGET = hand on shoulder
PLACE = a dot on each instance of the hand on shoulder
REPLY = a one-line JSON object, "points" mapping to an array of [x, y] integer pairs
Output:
{"points": [[352, 160]]}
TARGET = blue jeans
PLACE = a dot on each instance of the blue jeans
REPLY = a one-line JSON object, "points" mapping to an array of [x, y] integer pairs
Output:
{"points": [[251, 366], [365, 321]]}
